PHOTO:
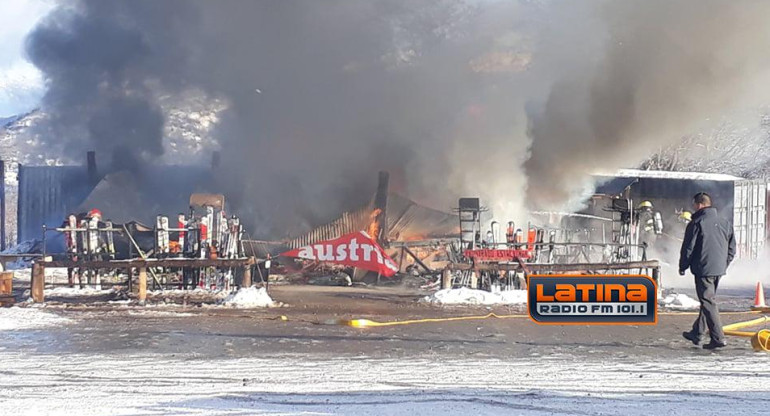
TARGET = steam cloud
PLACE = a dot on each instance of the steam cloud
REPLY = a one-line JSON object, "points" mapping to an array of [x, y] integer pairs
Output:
{"points": [[665, 69], [517, 102]]}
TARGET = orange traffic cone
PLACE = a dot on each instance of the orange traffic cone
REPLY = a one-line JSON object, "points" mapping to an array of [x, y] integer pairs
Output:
{"points": [[759, 297]]}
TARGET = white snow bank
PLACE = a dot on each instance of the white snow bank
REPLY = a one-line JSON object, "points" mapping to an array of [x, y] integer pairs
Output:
{"points": [[52, 274], [465, 296], [74, 292], [27, 318], [679, 301], [250, 297]]}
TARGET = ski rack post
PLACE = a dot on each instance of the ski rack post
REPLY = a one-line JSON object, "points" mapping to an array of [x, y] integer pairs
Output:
{"points": [[88, 259]]}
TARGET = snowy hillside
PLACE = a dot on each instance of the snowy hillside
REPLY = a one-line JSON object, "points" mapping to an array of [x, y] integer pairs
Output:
{"points": [[190, 120]]}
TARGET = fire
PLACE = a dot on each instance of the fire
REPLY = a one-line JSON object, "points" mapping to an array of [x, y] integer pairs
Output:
{"points": [[416, 237], [374, 226]]}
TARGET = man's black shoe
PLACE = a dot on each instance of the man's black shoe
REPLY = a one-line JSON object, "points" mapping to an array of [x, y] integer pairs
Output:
{"points": [[714, 345], [690, 337]]}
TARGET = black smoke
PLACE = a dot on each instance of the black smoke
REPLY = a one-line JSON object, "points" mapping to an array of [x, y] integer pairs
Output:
{"points": [[514, 101]]}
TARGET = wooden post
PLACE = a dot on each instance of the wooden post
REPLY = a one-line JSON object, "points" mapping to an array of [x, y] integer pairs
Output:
{"points": [[656, 278], [38, 282], [142, 285], [246, 277], [446, 279]]}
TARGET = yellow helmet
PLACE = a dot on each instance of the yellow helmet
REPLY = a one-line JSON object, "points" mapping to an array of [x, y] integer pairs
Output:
{"points": [[685, 216], [645, 204]]}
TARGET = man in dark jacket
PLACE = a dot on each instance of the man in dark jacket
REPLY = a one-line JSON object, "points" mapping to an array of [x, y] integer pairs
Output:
{"points": [[707, 250]]}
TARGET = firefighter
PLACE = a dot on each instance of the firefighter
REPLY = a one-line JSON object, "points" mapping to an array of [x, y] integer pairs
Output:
{"points": [[97, 241], [263, 270], [645, 220], [645, 216], [685, 217]]}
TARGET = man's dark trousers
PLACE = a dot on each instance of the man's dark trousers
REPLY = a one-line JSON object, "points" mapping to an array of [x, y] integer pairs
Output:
{"points": [[706, 287]]}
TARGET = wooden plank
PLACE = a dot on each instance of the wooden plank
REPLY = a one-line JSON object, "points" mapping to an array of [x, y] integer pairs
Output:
{"points": [[142, 284], [6, 283], [561, 267], [119, 264], [19, 256], [7, 300], [38, 282]]}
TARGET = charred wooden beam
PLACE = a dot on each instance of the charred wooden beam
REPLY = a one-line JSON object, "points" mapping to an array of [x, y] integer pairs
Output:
{"points": [[93, 174], [414, 256], [381, 206]]}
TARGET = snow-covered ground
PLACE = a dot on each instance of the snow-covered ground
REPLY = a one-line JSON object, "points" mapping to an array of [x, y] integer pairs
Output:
{"points": [[12, 319], [52, 274], [74, 292], [301, 385], [251, 297], [679, 301], [465, 296]]}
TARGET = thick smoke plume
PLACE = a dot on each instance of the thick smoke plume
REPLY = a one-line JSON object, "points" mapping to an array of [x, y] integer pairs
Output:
{"points": [[514, 101], [664, 69]]}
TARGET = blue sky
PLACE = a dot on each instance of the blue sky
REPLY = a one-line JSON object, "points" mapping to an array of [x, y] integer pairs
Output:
{"points": [[21, 85]]}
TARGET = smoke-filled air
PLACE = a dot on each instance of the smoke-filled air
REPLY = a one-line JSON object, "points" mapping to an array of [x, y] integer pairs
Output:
{"points": [[516, 102]]}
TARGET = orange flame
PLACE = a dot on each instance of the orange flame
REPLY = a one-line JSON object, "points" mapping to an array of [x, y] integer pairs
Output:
{"points": [[374, 227]]}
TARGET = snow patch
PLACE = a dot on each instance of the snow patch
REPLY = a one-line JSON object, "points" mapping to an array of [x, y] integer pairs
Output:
{"points": [[250, 297], [16, 318], [157, 313], [52, 274], [465, 296], [679, 301], [421, 385], [74, 292]]}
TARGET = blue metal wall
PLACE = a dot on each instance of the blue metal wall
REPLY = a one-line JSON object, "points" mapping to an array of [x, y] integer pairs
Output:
{"points": [[46, 195]]}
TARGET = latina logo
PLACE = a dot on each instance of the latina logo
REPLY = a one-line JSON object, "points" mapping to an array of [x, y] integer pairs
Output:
{"points": [[592, 299]]}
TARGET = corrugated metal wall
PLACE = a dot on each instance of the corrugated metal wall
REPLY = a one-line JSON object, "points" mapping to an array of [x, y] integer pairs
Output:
{"points": [[348, 223], [743, 202], [749, 217], [406, 220], [46, 195]]}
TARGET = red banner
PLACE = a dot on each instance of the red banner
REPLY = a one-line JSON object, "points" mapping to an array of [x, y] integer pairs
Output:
{"points": [[356, 250]]}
